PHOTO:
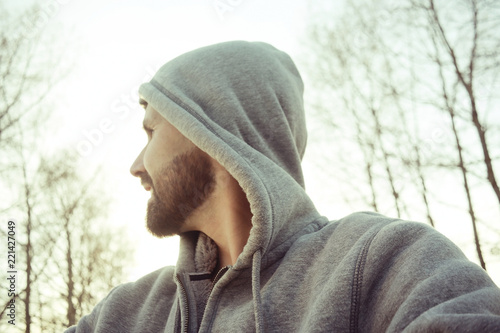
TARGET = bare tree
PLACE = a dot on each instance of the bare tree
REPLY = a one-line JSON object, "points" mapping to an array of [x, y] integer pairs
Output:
{"points": [[25, 84], [365, 95], [478, 56], [459, 65], [402, 71], [449, 102], [28, 73], [67, 257], [72, 259], [92, 258]]}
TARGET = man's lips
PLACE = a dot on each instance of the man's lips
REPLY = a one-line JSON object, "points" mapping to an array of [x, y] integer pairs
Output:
{"points": [[146, 181]]}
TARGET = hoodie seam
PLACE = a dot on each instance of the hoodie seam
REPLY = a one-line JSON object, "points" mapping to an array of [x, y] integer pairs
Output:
{"points": [[313, 226], [357, 283]]}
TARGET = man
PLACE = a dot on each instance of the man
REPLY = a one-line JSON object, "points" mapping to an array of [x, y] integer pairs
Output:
{"points": [[226, 135]]}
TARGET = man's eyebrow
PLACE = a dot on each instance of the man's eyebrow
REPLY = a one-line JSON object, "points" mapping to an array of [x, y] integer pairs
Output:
{"points": [[143, 103]]}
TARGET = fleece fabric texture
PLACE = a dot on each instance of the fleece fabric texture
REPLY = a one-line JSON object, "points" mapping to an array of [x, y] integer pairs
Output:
{"points": [[242, 103]]}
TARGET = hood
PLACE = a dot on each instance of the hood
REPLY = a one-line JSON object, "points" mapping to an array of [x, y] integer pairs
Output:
{"points": [[241, 102]]}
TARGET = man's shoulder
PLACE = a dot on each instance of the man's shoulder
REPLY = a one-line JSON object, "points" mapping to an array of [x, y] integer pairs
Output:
{"points": [[143, 292], [363, 233], [126, 304], [159, 279], [373, 228], [367, 225], [382, 246]]}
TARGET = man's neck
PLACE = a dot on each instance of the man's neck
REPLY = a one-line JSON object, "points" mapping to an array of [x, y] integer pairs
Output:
{"points": [[233, 224], [226, 218]]}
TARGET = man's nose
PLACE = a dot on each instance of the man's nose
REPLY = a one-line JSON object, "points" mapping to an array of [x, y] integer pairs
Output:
{"points": [[137, 167]]}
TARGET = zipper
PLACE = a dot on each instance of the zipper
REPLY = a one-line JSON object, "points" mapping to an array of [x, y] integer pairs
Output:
{"points": [[217, 277], [185, 301], [219, 274]]}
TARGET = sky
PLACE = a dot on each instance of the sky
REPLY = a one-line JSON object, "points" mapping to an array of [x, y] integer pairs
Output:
{"points": [[111, 48]]}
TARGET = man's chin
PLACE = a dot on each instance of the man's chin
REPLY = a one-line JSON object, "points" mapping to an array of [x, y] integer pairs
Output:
{"points": [[159, 231], [157, 221]]}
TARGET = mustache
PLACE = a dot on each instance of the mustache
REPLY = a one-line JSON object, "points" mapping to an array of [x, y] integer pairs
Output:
{"points": [[146, 179]]}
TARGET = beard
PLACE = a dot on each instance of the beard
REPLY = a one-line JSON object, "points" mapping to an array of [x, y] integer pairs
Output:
{"points": [[177, 191]]}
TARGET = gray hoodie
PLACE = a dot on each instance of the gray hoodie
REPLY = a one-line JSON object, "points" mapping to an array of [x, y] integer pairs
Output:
{"points": [[242, 104]]}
